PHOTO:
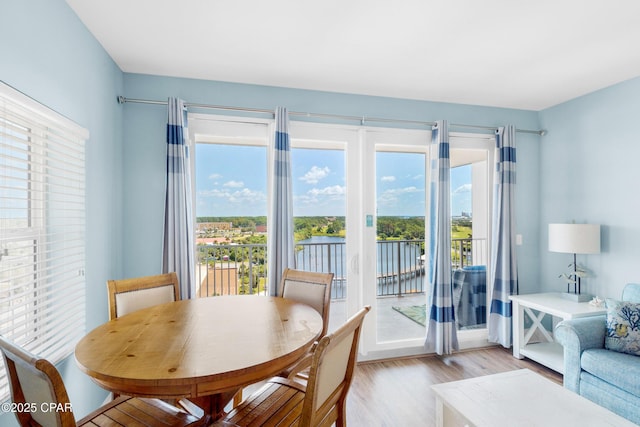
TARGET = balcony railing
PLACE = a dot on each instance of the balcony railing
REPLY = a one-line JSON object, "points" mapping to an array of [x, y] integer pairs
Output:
{"points": [[232, 269], [466, 252]]}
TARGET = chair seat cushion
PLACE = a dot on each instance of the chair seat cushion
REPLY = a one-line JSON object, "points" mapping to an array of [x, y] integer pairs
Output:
{"points": [[619, 369]]}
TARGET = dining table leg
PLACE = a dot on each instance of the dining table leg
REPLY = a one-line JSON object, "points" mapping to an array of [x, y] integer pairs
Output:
{"points": [[214, 404]]}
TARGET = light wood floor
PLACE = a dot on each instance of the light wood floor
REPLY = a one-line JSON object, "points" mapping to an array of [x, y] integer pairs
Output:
{"points": [[397, 393]]}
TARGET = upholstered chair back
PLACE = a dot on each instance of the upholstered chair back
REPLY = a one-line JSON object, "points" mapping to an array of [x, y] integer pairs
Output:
{"points": [[309, 288], [129, 295], [37, 384], [331, 373]]}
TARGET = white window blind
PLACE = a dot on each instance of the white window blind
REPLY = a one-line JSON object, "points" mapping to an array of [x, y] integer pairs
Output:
{"points": [[42, 229]]}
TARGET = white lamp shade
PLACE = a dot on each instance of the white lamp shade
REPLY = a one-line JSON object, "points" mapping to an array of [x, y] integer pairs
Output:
{"points": [[574, 238]]}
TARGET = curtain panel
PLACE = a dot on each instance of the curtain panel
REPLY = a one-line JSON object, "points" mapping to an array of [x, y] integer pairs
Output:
{"points": [[504, 268], [441, 326], [281, 241], [178, 243]]}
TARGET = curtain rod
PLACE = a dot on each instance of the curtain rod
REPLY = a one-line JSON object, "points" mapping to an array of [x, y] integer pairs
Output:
{"points": [[361, 119]]}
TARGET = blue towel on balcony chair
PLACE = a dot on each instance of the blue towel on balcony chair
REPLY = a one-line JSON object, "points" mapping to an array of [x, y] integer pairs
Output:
{"points": [[470, 295]]}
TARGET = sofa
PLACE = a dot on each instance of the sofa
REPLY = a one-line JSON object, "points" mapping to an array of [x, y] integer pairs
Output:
{"points": [[596, 366]]}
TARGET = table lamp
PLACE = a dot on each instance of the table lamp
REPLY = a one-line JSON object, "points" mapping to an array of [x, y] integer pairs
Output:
{"points": [[575, 239]]}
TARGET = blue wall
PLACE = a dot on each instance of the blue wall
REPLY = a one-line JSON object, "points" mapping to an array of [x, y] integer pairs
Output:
{"points": [[589, 173], [48, 54]]}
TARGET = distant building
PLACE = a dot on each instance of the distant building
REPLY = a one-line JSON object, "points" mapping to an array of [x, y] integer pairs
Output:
{"points": [[463, 215], [214, 226], [217, 281], [210, 240], [261, 228]]}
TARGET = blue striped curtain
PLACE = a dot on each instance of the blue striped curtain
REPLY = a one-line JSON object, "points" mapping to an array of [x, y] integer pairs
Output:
{"points": [[504, 268], [178, 246], [281, 249], [441, 329]]}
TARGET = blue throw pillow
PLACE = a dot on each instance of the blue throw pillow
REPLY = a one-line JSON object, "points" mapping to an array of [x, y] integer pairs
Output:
{"points": [[623, 327]]}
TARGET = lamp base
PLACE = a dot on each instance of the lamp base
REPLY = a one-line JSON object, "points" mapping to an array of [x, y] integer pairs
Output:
{"points": [[577, 297]]}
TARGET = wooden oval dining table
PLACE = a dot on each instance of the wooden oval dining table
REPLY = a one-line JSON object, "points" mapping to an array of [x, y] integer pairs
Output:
{"points": [[202, 349]]}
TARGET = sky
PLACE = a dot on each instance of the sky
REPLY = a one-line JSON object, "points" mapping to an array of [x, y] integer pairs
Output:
{"points": [[239, 188]]}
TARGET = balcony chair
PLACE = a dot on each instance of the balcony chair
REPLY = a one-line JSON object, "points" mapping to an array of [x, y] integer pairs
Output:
{"points": [[37, 387], [129, 295], [319, 402]]}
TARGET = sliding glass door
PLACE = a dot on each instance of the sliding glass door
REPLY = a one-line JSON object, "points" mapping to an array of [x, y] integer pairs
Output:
{"points": [[394, 182], [325, 198], [395, 274], [471, 194], [360, 204]]}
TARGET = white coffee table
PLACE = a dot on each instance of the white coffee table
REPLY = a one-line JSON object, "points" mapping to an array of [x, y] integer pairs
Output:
{"points": [[517, 398]]}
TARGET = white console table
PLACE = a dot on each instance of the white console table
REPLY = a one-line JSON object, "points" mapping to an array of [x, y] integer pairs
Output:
{"points": [[536, 307]]}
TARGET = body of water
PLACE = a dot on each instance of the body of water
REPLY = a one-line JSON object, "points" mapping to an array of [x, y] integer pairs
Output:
{"points": [[328, 254]]}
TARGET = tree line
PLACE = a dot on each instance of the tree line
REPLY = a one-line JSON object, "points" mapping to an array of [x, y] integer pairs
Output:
{"points": [[305, 227]]}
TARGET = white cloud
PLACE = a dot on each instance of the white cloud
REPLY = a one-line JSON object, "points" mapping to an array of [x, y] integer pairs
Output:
{"points": [[465, 188], [404, 190], [234, 184], [317, 197], [388, 178], [245, 196], [215, 193], [315, 174], [391, 196], [215, 176], [211, 193], [334, 190]]}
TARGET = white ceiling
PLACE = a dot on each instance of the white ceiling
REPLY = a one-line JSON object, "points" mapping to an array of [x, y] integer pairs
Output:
{"points": [[516, 54]]}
